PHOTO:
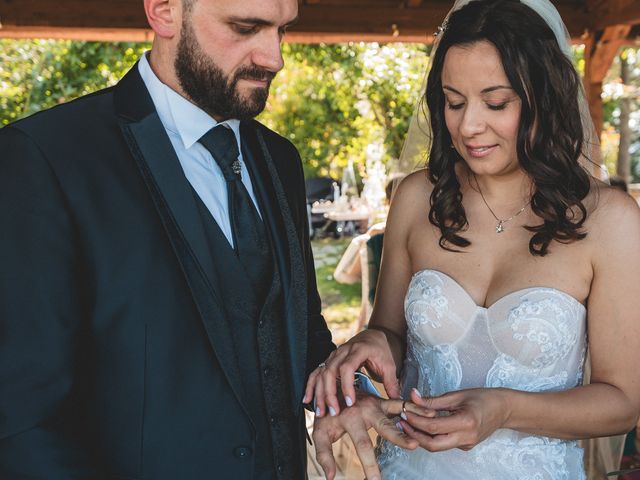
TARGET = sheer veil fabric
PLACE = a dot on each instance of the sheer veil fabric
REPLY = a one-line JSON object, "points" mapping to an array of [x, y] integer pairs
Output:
{"points": [[601, 455]]}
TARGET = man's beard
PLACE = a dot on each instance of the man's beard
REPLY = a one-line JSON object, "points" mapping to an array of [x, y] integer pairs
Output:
{"points": [[209, 88]]}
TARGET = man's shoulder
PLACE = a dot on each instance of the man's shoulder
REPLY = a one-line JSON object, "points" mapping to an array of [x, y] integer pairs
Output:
{"points": [[80, 112]]}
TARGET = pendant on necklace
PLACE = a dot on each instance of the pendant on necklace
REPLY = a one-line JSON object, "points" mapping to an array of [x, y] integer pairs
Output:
{"points": [[500, 227]]}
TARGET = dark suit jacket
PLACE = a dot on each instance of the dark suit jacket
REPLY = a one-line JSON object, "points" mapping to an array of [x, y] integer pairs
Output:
{"points": [[115, 353]]}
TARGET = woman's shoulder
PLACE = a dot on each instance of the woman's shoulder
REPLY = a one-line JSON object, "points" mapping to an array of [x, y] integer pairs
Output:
{"points": [[410, 199], [612, 214], [415, 185]]}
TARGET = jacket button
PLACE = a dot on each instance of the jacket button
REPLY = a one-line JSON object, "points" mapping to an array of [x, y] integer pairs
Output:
{"points": [[243, 453], [280, 469]]}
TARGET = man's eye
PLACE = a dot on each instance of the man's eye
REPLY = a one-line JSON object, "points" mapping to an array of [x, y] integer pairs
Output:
{"points": [[245, 29]]}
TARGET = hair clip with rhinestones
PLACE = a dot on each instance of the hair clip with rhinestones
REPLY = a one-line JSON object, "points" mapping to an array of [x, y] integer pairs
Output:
{"points": [[441, 29]]}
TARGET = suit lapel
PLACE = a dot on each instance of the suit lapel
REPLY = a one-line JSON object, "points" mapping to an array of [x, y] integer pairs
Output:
{"points": [[287, 249], [176, 205]]}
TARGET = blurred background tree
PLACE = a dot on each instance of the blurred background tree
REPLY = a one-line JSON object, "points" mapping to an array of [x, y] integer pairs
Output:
{"points": [[38, 74], [331, 101], [621, 133]]}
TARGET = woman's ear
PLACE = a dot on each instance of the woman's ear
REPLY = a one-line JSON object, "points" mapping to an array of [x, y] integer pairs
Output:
{"points": [[164, 16]]}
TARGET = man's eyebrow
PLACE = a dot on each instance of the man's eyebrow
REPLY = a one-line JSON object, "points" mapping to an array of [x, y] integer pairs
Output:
{"points": [[259, 21]]}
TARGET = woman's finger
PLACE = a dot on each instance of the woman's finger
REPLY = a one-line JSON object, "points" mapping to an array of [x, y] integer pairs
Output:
{"points": [[433, 443], [310, 388]]}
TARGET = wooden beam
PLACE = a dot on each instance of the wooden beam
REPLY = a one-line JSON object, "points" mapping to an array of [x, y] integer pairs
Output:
{"points": [[604, 50], [615, 12], [85, 34], [114, 14], [346, 20]]}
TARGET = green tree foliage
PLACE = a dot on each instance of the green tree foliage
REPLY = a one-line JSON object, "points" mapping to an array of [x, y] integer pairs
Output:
{"points": [[38, 74], [332, 101]]}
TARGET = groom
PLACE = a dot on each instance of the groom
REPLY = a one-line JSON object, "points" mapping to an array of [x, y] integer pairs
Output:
{"points": [[158, 306]]}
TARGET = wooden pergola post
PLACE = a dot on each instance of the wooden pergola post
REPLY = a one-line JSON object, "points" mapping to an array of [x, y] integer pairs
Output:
{"points": [[600, 50]]}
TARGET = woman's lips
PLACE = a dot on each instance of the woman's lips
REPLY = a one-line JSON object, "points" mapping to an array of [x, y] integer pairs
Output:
{"points": [[479, 151]]}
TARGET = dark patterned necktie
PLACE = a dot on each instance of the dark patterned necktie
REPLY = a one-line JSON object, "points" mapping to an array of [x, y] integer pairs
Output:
{"points": [[248, 231]]}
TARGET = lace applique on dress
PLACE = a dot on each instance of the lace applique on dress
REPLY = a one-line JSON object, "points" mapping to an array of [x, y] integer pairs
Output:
{"points": [[532, 339]]}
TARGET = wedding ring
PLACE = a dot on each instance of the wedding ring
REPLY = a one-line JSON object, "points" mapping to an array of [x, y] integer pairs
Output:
{"points": [[404, 406], [322, 365]]}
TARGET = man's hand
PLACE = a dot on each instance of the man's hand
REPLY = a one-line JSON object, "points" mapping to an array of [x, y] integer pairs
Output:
{"points": [[369, 348], [370, 412]]}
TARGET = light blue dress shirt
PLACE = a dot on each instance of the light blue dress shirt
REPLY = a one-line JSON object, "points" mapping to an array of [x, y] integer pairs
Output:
{"points": [[185, 124]]}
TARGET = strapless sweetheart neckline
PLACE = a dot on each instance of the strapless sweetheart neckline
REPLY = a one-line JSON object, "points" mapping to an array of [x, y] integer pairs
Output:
{"points": [[532, 339], [519, 291]]}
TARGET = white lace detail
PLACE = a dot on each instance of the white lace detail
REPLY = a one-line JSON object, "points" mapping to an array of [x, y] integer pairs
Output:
{"points": [[506, 372], [532, 340]]}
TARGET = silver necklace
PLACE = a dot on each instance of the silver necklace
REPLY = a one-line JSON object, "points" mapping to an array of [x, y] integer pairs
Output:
{"points": [[501, 222]]}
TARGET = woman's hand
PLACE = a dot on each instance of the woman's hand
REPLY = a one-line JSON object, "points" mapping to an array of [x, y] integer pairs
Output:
{"points": [[370, 412], [369, 348], [469, 417]]}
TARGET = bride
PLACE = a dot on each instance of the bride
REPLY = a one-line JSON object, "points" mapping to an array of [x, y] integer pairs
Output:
{"points": [[500, 260]]}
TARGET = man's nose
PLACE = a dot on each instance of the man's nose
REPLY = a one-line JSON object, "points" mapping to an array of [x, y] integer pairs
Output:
{"points": [[268, 54]]}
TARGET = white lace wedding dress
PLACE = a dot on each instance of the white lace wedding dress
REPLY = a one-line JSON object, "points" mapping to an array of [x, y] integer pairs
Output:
{"points": [[532, 340]]}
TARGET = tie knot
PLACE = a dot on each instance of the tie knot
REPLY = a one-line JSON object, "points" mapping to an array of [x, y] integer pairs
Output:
{"points": [[221, 142]]}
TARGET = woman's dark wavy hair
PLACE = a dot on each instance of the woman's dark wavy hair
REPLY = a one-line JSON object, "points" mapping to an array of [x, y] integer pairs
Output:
{"points": [[550, 134]]}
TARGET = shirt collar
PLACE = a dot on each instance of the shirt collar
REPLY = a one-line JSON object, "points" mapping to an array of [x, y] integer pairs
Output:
{"points": [[177, 114]]}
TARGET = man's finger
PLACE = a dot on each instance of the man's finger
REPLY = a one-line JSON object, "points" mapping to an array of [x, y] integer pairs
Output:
{"points": [[388, 430], [395, 407], [324, 453], [357, 430]]}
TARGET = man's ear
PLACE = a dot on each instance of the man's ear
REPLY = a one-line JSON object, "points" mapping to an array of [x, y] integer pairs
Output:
{"points": [[164, 16]]}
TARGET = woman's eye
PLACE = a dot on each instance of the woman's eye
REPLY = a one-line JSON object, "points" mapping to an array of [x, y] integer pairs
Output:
{"points": [[500, 106], [454, 106]]}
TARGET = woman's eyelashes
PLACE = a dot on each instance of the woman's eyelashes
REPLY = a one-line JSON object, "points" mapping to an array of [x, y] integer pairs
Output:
{"points": [[490, 105]]}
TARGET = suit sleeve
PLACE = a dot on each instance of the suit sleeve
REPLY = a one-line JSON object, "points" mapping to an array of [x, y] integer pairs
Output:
{"points": [[320, 344], [40, 313]]}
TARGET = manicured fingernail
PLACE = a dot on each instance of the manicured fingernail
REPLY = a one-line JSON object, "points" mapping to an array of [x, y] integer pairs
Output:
{"points": [[304, 399], [417, 392], [332, 411], [399, 427], [317, 411], [403, 416], [348, 401]]}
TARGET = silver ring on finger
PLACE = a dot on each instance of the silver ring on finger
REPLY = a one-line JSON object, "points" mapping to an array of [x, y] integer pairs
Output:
{"points": [[322, 365]]}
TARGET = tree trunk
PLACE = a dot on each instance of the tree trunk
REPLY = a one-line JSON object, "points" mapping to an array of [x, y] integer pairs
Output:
{"points": [[624, 155]]}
